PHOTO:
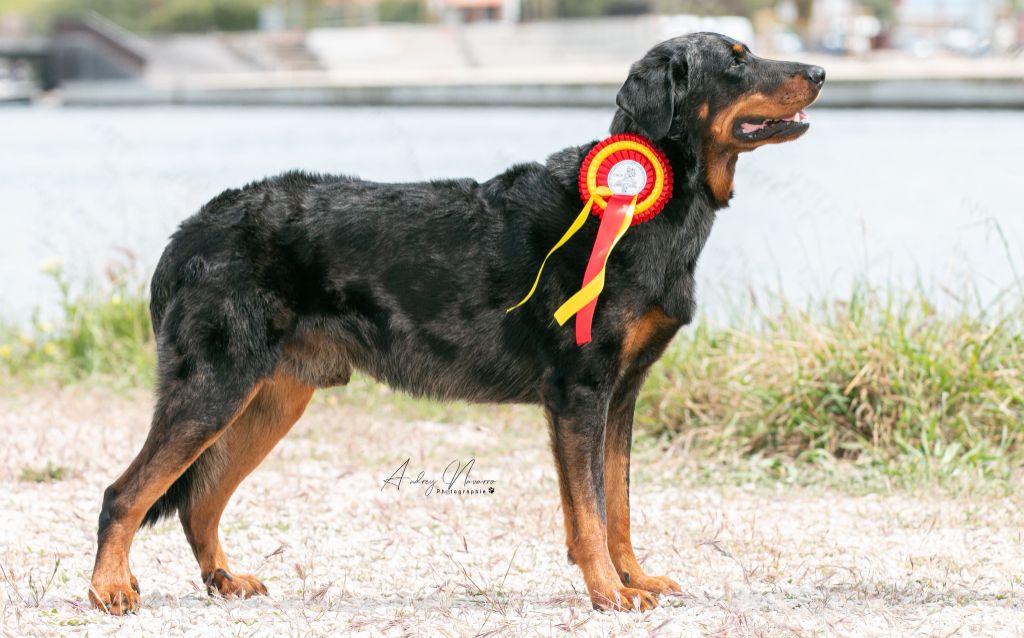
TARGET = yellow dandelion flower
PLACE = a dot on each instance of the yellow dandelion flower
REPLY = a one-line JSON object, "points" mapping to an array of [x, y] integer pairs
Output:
{"points": [[52, 266], [5, 351], [50, 349]]}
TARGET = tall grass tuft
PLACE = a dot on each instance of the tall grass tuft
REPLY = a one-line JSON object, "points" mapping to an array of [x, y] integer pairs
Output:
{"points": [[101, 331], [881, 376]]}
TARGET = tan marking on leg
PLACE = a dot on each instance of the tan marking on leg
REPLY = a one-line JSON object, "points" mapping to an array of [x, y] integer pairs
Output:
{"points": [[147, 478], [269, 417], [641, 334], [586, 536], [620, 543], [648, 335], [563, 492]]}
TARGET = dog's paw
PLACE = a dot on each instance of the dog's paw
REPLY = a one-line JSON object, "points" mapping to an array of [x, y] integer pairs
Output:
{"points": [[623, 599], [654, 584], [219, 581], [115, 599]]}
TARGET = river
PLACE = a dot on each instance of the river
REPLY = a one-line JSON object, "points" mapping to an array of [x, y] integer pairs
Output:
{"points": [[895, 198]]}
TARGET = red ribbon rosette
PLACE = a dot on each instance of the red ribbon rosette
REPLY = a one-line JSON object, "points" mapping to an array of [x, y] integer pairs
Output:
{"points": [[625, 180]]}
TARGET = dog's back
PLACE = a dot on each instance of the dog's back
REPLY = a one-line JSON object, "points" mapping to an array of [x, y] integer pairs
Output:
{"points": [[407, 282]]}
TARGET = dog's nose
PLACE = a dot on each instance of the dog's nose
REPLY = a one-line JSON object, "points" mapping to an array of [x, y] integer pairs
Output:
{"points": [[816, 75]]}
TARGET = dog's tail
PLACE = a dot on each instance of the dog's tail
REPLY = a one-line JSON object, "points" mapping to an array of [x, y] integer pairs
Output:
{"points": [[173, 273], [194, 481], [198, 477], [177, 498]]}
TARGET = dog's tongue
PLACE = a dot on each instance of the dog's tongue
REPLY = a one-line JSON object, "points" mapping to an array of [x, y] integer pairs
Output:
{"points": [[747, 127]]}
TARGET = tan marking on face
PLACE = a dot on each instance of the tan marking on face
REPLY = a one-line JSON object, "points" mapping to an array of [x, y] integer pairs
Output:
{"points": [[704, 110], [722, 147], [738, 47]]}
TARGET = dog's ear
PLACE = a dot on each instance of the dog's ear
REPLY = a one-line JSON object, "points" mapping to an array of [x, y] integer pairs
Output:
{"points": [[648, 95]]}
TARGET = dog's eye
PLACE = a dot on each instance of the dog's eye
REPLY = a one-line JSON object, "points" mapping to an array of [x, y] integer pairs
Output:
{"points": [[739, 60]]}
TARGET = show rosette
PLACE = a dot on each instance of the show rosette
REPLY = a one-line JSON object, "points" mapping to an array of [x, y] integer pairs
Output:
{"points": [[625, 180], [628, 165]]}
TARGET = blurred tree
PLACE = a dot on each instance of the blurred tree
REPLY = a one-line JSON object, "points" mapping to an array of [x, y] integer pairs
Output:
{"points": [[402, 11], [126, 13], [883, 9], [151, 15], [204, 15], [804, 8]]}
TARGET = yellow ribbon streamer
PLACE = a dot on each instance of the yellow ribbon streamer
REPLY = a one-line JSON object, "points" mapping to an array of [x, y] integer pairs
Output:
{"points": [[602, 191], [588, 293]]}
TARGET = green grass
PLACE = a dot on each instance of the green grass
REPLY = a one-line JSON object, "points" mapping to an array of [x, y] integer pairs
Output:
{"points": [[879, 378], [47, 474], [881, 381], [101, 333]]}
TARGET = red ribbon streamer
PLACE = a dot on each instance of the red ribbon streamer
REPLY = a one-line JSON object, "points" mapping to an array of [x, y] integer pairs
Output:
{"points": [[611, 222]]}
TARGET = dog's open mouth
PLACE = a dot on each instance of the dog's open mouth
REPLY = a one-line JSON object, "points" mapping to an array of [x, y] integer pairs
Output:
{"points": [[755, 129]]}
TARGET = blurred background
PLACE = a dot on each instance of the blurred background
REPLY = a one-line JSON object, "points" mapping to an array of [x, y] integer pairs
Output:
{"points": [[861, 313], [122, 117]]}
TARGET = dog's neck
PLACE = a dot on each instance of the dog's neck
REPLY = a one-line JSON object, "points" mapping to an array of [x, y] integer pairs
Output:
{"points": [[672, 241], [697, 164]]}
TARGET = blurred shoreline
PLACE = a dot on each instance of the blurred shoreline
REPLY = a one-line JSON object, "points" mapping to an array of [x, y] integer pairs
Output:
{"points": [[990, 86], [571, 63]]}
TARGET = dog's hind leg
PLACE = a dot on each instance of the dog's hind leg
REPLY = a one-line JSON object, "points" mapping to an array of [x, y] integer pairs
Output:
{"points": [[188, 419], [271, 414], [215, 353]]}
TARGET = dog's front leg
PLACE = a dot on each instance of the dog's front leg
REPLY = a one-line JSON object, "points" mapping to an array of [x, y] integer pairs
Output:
{"points": [[577, 419], [618, 441]]}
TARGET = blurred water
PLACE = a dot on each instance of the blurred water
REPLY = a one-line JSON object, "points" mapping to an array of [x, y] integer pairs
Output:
{"points": [[894, 197]]}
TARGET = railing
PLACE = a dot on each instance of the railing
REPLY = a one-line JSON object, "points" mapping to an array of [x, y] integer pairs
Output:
{"points": [[90, 47]]}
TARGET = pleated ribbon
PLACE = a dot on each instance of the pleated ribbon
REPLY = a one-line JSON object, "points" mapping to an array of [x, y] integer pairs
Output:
{"points": [[617, 217]]}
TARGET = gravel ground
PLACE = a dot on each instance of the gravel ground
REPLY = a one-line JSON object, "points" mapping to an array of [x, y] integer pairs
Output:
{"points": [[341, 556]]}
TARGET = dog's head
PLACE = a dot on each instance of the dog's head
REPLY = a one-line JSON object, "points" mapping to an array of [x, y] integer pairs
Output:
{"points": [[710, 91]]}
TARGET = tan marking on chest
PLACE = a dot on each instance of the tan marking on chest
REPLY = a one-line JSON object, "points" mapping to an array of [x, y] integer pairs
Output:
{"points": [[641, 333]]}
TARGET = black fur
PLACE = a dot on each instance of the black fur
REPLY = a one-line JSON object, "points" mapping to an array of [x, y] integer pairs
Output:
{"points": [[410, 282], [315, 275]]}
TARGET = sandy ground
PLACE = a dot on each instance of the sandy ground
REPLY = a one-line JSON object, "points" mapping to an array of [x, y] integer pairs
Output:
{"points": [[343, 557]]}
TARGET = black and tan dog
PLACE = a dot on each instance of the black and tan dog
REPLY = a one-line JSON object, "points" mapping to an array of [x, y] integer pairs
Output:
{"points": [[289, 284]]}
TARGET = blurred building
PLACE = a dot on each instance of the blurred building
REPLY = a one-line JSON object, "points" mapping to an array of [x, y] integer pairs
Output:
{"points": [[283, 14], [476, 10], [966, 27], [843, 26], [922, 27]]}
